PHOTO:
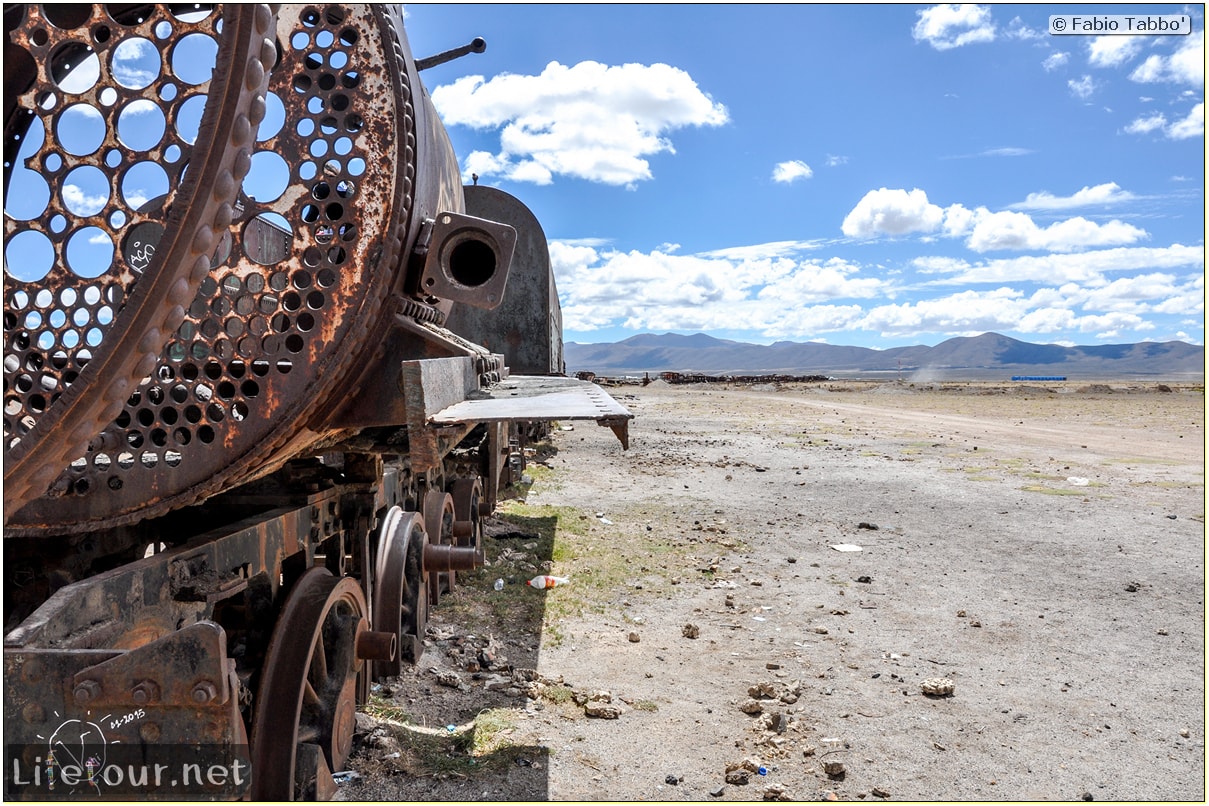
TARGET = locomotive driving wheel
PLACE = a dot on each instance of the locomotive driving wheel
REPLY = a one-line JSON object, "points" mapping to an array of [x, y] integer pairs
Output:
{"points": [[438, 522], [467, 506], [306, 708], [400, 595]]}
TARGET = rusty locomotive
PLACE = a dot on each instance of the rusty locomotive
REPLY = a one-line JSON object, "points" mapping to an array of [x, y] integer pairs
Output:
{"points": [[261, 379]]}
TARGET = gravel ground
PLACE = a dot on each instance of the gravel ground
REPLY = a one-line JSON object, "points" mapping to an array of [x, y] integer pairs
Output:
{"points": [[1024, 619]]}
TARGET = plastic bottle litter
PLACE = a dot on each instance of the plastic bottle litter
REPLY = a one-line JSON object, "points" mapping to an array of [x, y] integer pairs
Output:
{"points": [[542, 581], [499, 584]]}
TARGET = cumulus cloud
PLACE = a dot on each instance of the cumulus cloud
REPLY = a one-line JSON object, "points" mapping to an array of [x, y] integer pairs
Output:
{"points": [[889, 211], [1055, 60], [589, 121], [756, 286], [1185, 66], [834, 160], [1112, 51], [1083, 267], [951, 25], [1191, 126], [1107, 193], [787, 172], [899, 212], [1012, 230], [1083, 88]]}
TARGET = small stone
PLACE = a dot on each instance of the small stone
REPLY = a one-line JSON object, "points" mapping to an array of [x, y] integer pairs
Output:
{"points": [[878, 792], [671, 780], [634, 638], [872, 527], [864, 579], [961, 614], [975, 623], [772, 666], [834, 769], [1161, 631], [1087, 796], [1185, 732], [739, 777], [751, 707], [774, 792], [809, 751], [690, 631], [791, 560], [602, 710], [717, 791], [821, 630], [937, 687]]}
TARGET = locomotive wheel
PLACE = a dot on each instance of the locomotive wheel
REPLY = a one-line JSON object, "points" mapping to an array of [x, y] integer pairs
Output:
{"points": [[468, 521], [302, 730], [438, 523], [400, 595]]}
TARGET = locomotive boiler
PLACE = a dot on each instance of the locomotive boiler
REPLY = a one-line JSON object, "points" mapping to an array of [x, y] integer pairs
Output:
{"points": [[258, 383]]}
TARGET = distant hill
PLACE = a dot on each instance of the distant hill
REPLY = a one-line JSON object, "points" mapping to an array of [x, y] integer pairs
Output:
{"points": [[990, 355]]}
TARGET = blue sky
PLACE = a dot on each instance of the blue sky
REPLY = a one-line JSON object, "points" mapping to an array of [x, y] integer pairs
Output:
{"points": [[875, 176]]}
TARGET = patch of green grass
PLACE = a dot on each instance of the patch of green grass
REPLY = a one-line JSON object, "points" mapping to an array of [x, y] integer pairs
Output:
{"points": [[1037, 488]]}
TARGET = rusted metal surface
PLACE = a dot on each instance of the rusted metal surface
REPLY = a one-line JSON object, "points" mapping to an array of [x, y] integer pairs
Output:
{"points": [[527, 325], [81, 332]]}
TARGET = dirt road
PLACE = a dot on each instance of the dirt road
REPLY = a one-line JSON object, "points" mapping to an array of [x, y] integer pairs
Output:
{"points": [[1041, 551]]}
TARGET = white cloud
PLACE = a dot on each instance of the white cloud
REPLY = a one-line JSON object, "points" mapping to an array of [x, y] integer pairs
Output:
{"points": [[1185, 66], [790, 170], [1082, 88], [1191, 126], [1086, 267], [1147, 124], [834, 160], [1018, 30], [82, 203], [1012, 230], [951, 25], [899, 212], [590, 121], [1055, 60], [1112, 51], [892, 212], [1107, 193]]}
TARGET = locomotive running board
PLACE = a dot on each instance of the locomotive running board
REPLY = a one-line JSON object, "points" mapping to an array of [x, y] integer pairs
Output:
{"points": [[533, 398]]}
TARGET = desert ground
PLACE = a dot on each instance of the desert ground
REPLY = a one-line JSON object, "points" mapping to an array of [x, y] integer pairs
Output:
{"points": [[835, 591]]}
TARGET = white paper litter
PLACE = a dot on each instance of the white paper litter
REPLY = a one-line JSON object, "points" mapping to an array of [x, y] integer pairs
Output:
{"points": [[846, 547]]}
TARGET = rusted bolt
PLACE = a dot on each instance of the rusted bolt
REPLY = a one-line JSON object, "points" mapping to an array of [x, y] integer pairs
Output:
{"points": [[33, 713], [372, 645], [87, 691], [149, 732], [204, 692], [145, 691]]}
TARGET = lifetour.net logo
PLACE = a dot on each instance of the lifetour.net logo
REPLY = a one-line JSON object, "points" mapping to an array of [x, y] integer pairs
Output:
{"points": [[67, 770]]}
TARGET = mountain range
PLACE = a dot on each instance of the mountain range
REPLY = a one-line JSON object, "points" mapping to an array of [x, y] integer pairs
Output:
{"points": [[989, 356]]}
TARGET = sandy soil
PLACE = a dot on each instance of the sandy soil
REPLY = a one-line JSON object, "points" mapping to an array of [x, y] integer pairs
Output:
{"points": [[1041, 550]]}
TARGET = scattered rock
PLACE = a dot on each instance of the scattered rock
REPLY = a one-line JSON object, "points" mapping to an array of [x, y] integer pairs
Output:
{"points": [[937, 687], [672, 780], [635, 638], [821, 630], [451, 680], [762, 689], [835, 769], [602, 710], [739, 773], [809, 751], [865, 579], [1185, 732], [690, 631], [774, 792], [751, 707], [717, 791], [1087, 796], [878, 792], [872, 527]]}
